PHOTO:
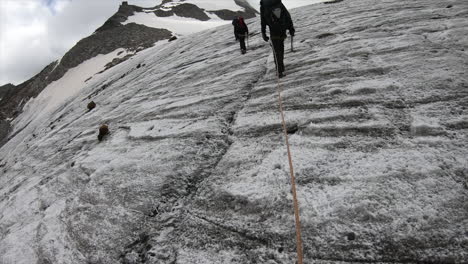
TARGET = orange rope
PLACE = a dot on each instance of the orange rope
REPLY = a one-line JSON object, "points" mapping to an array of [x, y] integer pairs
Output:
{"points": [[291, 169]]}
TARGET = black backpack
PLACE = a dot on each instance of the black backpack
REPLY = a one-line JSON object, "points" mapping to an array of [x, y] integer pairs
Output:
{"points": [[269, 7], [270, 3]]}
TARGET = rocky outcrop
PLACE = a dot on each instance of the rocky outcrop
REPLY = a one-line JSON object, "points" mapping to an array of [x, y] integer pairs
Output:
{"points": [[228, 14], [5, 90], [130, 36], [121, 16], [184, 10]]}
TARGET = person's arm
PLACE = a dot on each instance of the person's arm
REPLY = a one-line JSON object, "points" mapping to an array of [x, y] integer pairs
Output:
{"points": [[291, 29], [263, 23]]}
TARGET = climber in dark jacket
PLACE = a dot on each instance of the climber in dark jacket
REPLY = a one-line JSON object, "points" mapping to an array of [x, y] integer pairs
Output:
{"points": [[274, 14], [241, 31]]}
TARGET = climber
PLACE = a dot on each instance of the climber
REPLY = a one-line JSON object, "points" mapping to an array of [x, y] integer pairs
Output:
{"points": [[241, 31], [274, 14]]}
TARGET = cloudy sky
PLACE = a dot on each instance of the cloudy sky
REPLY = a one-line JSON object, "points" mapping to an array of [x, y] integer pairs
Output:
{"points": [[33, 33]]}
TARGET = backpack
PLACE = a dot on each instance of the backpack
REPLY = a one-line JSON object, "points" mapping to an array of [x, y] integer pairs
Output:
{"points": [[273, 13], [239, 25], [242, 23], [270, 3]]}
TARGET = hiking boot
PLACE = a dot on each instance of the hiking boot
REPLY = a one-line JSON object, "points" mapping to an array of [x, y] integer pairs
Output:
{"points": [[281, 75], [243, 51]]}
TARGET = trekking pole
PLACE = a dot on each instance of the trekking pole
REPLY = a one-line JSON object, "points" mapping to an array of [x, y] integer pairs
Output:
{"points": [[247, 36], [292, 45]]}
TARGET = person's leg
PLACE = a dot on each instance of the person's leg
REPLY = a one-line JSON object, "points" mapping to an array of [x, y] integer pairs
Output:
{"points": [[280, 53], [242, 43], [276, 43], [278, 46]]}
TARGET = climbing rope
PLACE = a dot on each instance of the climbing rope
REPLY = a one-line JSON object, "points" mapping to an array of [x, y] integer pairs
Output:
{"points": [[291, 169]]}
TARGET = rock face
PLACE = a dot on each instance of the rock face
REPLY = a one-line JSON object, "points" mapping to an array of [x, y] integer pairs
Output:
{"points": [[130, 36], [5, 92], [195, 168], [5, 89], [184, 10], [121, 16], [4, 130]]}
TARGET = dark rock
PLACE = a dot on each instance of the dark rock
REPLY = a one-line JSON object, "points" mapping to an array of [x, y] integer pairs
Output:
{"points": [[351, 236], [172, 38], [449, 6], [190, 10], [163, 13], [91, 105], [292, 129], [103, 131]]}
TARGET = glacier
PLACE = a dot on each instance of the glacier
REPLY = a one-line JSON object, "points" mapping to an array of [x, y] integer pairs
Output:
{"points": [[195, 167]]}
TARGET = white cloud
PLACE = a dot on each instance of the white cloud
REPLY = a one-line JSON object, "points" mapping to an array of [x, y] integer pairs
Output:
{"points": [[33, 33]]}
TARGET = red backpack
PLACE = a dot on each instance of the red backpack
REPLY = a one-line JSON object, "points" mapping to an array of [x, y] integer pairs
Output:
{"points": [[242, 23], [239, 25]]}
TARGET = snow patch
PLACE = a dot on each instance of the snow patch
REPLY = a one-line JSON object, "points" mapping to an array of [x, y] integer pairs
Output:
{"points": [[207, 4], [289, 4], [176, 24]]}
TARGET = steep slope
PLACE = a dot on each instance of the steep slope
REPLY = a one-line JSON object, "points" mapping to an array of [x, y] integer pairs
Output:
{"points": [[195, 170]]}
